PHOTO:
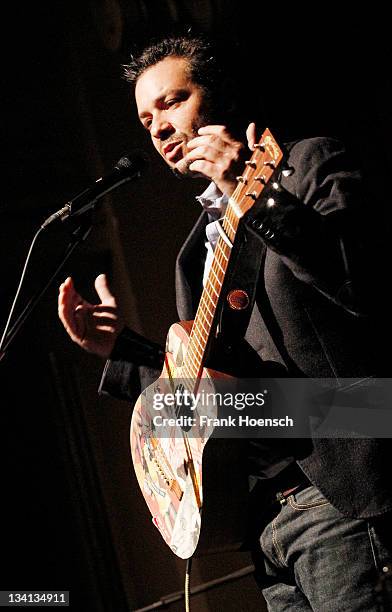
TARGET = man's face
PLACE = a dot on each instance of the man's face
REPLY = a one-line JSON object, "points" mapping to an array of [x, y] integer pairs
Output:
{"points": [[172, 108]]}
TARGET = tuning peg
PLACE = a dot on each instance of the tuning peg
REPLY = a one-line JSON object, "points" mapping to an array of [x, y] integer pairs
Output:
{"points": [[251, 163], [261, 178], [241, 179], [252, 194], [270, 163], [260, 146]]}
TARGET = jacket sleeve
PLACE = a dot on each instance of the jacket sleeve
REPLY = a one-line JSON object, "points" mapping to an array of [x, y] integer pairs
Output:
{"points": [[133, 365], [315, 221]]}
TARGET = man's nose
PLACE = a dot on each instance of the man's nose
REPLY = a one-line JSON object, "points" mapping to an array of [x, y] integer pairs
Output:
{"points": [[161, 128]]}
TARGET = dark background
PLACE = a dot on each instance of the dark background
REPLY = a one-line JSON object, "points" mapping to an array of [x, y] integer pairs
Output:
{"points": [[72, 516]]}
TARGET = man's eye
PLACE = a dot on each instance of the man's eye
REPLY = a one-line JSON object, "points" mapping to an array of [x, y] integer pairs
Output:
{"points": [[147, 124], [171, 102]]}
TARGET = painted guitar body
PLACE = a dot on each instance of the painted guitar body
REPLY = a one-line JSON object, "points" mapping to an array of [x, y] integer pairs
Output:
{"points": [[171, 469]]}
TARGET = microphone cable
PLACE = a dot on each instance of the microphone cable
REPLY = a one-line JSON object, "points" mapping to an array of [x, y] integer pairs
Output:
{"points": [[7, 325]]}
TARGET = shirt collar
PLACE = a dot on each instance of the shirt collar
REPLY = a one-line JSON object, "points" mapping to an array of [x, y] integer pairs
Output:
{"points": [[213, 201]]}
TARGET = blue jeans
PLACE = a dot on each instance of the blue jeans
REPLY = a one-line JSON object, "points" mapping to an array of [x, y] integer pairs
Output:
{"points": [[314, 559]]}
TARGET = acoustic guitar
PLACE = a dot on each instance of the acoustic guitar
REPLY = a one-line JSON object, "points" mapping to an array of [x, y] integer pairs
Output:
{"points": [[189, 480]]}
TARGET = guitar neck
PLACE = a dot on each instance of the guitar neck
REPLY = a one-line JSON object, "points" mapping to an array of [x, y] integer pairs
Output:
{"points": [[205, 315], [259, 170]]}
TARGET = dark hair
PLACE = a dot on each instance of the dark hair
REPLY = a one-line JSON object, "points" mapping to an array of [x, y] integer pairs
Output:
{"points": [[210, 65], [198, 51]]}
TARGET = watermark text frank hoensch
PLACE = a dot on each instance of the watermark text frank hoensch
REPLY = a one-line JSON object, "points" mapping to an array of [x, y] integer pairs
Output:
{"points": [[203, 420]]}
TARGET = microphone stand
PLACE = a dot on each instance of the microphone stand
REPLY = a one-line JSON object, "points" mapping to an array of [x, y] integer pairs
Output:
{"points": [[78, 236]]}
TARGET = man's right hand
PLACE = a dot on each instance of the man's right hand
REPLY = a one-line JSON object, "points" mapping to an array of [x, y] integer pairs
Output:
{"points": [[94, 327]]}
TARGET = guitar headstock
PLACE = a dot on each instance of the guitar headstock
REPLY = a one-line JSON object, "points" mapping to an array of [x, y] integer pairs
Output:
{"points": [[258, 172]]}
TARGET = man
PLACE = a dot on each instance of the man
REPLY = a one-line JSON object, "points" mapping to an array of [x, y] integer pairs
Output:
{"points": [[322, 543]]}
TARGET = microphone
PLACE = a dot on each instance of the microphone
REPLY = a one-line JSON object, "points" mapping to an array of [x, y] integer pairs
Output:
{"points": [[126, 169]]}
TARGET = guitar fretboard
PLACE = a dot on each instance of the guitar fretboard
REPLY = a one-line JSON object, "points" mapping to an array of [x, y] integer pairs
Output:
{"points": [[206, 311]]}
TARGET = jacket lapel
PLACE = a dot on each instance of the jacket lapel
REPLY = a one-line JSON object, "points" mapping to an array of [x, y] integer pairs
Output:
{"points": [[189, 270]]}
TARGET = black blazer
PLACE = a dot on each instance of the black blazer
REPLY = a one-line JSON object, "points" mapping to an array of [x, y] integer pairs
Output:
{"points": [[311, 312]]}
